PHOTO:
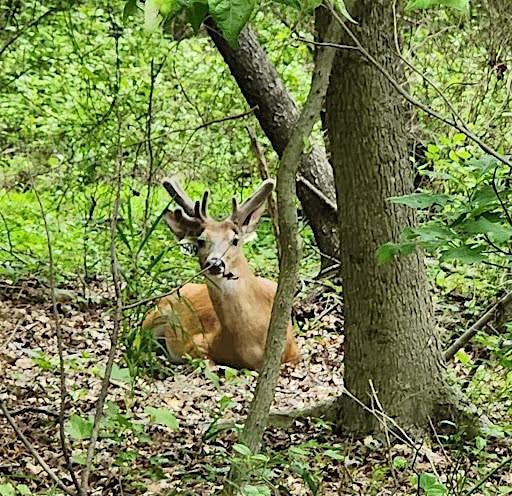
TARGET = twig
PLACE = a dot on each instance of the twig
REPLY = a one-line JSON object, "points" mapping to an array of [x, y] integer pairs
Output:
{"points": [[201, 126], [35, 22], [34, 409], [489, 314], [456, 123], [163, 295], [317, 192], [263, 169], [489, 474], [497, 193], [11, 335], [149, 129], [33, 451], [84, 487], [58, 332]]}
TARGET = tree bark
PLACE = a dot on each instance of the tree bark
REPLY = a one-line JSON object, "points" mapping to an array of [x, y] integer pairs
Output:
{"points": [[257, 417], [390, 339], [277, 113]]}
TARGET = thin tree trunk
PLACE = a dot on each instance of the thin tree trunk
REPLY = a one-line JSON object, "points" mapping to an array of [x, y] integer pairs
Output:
{"points": [[277, 113], [390, 342], [257, 416]]}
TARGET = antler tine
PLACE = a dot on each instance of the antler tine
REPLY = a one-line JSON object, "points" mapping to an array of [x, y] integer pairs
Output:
{"points": [[204, 205], [184, 218], [240, 213], [234, 208], [177, 193]]}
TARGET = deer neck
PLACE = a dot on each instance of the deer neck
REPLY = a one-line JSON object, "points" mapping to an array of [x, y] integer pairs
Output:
{"points": [[236, 301]]}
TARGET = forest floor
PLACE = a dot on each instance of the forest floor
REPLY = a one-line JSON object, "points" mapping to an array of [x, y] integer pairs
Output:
{"points": [[142, 451]]}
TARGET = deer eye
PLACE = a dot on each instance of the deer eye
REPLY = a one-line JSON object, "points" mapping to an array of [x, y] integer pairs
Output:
{"points": [[188, 248], [200, 243], [235, 241]]}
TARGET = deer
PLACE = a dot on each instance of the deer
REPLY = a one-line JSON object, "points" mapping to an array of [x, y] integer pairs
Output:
{"points": [[225, 320]]}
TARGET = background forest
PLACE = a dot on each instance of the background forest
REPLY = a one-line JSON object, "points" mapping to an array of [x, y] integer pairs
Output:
{"points": [[95, 109]]}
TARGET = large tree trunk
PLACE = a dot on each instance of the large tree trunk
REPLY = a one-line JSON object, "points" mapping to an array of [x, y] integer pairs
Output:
{"points": [[277, 113], [390, 341]]}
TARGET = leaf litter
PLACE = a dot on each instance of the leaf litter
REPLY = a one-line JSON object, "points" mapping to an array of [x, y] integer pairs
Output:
{"points": [[174, 434]]}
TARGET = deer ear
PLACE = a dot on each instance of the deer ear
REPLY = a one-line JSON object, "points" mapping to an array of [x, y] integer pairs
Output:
{"points": [[182, 225], [251, 222]]}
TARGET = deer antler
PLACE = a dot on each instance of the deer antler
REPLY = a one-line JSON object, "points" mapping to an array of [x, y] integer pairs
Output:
{"points": [[197, 210], [241, 212]]}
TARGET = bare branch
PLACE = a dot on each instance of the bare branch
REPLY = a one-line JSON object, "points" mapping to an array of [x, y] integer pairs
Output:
{"points": [[31, 24], [33, 451], [84, 487], [58, 332], [487, 317], [34, 409], [263, 169]]}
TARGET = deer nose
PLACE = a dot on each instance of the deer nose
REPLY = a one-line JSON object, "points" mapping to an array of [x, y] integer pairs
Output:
{"points": [[215, 266]]}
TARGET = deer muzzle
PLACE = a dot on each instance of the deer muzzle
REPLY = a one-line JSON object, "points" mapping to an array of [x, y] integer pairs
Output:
{"points": [[215, 266]]}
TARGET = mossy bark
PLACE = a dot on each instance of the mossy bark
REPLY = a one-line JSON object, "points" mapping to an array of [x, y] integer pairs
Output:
{"points": [[391, 347], [277, 114]]}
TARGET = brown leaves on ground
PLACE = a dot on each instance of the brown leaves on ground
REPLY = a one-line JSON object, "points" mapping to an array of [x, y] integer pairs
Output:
{"points": [[137, 455]]}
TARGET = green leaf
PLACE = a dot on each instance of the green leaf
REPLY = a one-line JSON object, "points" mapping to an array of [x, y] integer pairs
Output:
{"points": [[162, 416], [196, 13], [212, 376], [256, 491], [387, 251], [340, 6], [431, 486], [420, 200], [242, 449], [167, 7], [231, 16], [120, 374], [464, 254], [130, 9], [151, 14], [462, 5], [399, 462], [484, 226], [23, 489], [79, 428], [435, 230], [335, 455], [7, 490]]}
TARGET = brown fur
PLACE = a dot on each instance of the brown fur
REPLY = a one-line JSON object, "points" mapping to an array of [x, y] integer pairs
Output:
{"points": [[225, 320], [190, 325]]}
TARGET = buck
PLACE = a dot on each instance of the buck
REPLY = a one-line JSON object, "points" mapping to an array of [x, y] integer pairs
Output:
{"points": [[226, 319]]}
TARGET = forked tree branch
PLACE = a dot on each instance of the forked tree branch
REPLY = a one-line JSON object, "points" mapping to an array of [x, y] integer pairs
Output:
{"points": [[257, 417], [33, 451], [58, 332], [84, 486]]}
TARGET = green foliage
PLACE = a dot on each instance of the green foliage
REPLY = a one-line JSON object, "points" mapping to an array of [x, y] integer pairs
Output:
{"points": [[231, 16], [162, 416], [78, 427], [462, 5], [431, 486], [7, 490], [466, 215]]}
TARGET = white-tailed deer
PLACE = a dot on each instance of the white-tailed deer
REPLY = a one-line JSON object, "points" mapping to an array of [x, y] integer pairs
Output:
{"points": [[226, 319]]}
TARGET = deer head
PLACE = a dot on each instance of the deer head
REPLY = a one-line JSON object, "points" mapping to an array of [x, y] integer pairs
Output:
{"points": [[217, 243]]}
